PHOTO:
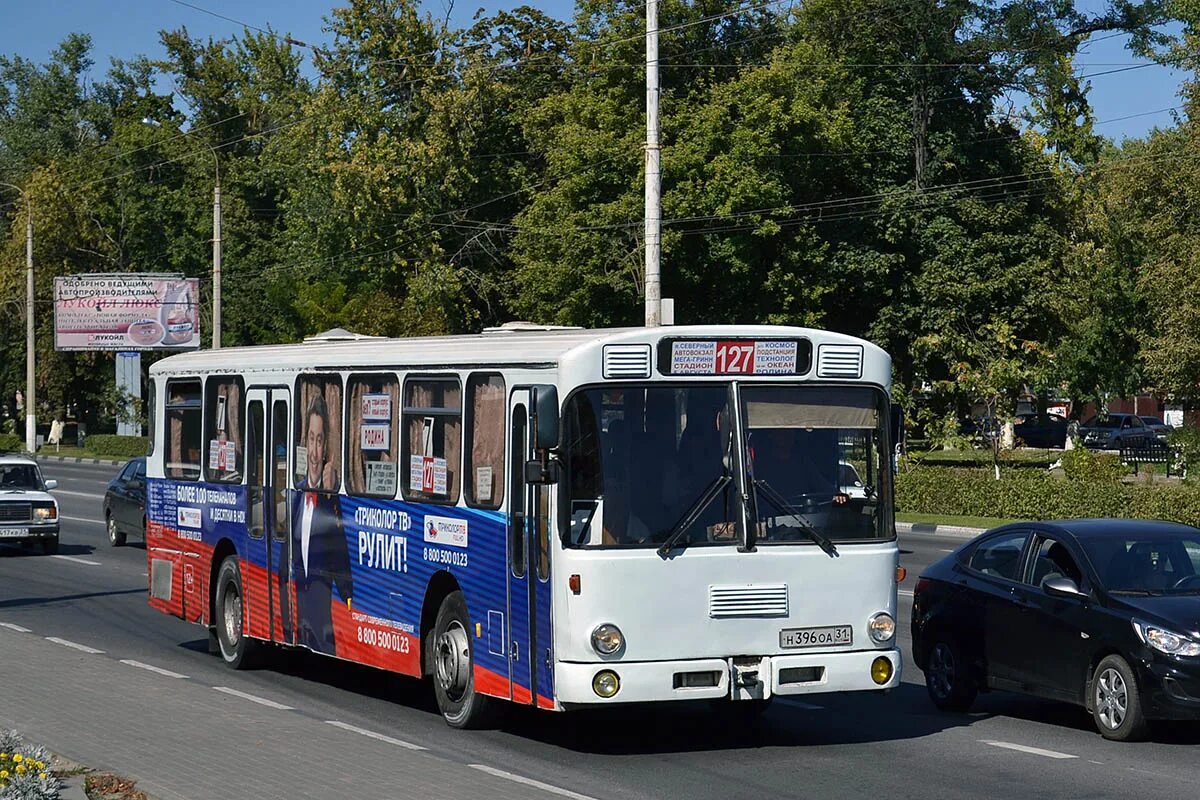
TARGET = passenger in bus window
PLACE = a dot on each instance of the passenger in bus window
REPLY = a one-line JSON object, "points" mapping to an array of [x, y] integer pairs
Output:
{"points": [[320, 559]]}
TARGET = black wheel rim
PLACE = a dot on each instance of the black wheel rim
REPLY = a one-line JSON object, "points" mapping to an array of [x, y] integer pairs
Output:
{"points": [[940, 672]]}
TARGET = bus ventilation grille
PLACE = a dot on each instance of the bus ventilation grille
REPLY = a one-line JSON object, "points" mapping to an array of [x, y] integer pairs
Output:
{"points": [[752, 600], [839, 361], [627, 361]]}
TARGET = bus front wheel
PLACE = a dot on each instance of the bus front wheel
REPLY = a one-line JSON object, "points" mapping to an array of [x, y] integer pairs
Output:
{"points": [[238, 650], [454, 668]]}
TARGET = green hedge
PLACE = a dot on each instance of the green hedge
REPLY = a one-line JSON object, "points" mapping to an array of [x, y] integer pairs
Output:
{"points": [[1025, 494], [104, 444], [1038, 459], [11, 443]]}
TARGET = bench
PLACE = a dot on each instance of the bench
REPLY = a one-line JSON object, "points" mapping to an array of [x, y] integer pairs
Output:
{"points": [[1153, 451]]}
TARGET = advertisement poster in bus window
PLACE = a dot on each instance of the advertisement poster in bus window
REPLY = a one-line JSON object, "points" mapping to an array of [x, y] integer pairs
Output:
{"points": [[426, 472]]}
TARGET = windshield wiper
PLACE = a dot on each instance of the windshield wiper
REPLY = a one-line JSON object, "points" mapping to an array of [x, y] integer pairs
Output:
{"points": [[693, 513], [780, 502]]}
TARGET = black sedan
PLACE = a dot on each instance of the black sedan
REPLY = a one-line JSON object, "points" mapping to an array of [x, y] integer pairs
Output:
{"points": [[125, 503], [1101, 613]]}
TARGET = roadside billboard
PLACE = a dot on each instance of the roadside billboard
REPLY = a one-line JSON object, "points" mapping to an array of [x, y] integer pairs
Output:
{"points": [[126, 312]]}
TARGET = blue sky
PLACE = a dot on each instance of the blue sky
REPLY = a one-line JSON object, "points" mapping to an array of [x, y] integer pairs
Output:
{"points": [[124, 28]]}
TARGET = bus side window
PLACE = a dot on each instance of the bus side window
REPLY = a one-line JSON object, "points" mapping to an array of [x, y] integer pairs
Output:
{"points": [[223, 430], [432, 440], [484, 469], [183, 434], [372, 440]]}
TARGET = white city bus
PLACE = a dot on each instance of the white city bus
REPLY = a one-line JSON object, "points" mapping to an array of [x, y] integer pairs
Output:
{"points": [[553, 517]]}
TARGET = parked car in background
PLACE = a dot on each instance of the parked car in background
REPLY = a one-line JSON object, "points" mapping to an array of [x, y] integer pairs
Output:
{"points": [[1100, 613], [1157, 426], [28, 512], [1041, 430], [125, 503], [982, 429], [1114, 431]]}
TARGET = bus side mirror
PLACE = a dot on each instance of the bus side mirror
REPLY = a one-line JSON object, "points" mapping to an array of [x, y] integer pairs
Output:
{"points": [[545, 416]]}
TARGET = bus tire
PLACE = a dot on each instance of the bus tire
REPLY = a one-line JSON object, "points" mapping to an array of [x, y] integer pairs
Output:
{"points": [[454, 668], [237, 650]]}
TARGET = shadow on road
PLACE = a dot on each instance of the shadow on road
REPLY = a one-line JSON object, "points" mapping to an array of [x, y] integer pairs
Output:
{"points": [[64, 548], [18, 602]]}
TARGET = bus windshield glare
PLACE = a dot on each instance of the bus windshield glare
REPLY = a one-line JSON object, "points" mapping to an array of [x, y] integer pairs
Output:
{"points": [[642, 459]]}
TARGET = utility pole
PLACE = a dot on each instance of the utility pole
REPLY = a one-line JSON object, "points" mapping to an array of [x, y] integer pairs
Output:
{"points": [[653, 174], [30, 354], [216, 336]]}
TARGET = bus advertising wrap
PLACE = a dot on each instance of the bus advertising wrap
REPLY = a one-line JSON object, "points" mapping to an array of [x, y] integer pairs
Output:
{"points": [[126, 312]]}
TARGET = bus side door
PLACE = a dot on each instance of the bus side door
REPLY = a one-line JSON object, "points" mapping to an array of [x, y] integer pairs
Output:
{"points": [[531, 656], [267, 514]]}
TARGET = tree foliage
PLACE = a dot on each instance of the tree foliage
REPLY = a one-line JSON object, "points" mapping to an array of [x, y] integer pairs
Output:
{"points": [[850, 164]]}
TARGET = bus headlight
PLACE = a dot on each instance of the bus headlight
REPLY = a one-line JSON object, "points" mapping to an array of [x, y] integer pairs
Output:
{"points": [[881, 670], [606, 684], [607, 639], [882, 627]]}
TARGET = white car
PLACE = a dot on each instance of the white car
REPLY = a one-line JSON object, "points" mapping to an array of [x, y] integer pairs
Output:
{"points": [[28, 512]]}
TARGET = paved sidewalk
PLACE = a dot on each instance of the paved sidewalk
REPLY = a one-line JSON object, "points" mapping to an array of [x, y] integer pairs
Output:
{"points": [[181, 740]]}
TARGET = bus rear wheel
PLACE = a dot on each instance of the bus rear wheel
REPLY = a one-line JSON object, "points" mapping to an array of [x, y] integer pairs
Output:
{"points": [[238, 650], [454, 668]]}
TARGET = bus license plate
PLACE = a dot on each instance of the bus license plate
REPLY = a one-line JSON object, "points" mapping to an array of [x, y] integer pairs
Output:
{"points": [[10, 533], [831, 636]]}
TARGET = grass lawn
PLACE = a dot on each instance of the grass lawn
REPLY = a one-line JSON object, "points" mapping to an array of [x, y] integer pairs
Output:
{"points": [[945, 519]]}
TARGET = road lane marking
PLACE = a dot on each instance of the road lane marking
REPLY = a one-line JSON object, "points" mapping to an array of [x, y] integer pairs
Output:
{"points": [[152, 668], [545, 787], [75, 645], [82, 519], [254, 698], [78, 560], [373, 735], [69, 493], [1035, 751], [801, 704], [16, 628]]}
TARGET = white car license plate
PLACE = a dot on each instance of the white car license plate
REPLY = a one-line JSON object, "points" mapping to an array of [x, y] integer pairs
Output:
{"points": [[830, 636], [9, 533]]}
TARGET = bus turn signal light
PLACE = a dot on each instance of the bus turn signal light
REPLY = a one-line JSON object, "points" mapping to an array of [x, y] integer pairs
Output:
{"points": [[573, 582], [901, 574], [881, 670]]}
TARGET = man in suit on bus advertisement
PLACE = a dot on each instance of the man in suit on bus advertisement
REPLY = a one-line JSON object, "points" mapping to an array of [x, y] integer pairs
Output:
{"points": [[320, 556]]}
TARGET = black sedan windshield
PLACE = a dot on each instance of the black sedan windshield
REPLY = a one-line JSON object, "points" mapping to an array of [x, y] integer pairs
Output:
{"points": [[21, 477], [1156, 564]]}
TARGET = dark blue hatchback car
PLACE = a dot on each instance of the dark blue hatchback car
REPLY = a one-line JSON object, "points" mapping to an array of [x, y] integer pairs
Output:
{"points": [[1102, 613]]}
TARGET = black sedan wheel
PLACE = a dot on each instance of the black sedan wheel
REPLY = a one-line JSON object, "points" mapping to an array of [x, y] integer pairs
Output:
{"points": [[1116, 702], [947, 678], [115, 537]]}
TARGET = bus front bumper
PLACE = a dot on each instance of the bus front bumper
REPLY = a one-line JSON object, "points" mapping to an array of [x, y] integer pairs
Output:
{"points": [[714, 678]]}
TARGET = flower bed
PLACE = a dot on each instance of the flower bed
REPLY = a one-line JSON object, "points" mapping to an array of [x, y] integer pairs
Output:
{"points": [[24, 770]]}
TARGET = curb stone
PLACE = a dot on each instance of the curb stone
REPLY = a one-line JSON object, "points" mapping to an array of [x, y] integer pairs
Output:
{"points": [[79, 460], [72, 788], [955, 531]]}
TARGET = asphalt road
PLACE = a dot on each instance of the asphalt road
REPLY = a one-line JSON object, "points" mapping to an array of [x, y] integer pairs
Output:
{"points": [[154, 705]]}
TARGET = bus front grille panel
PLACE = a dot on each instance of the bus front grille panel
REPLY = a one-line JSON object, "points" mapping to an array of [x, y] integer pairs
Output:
{"points": [[748, 600]]}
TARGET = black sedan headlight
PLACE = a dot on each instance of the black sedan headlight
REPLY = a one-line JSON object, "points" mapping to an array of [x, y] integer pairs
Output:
{"points": [[1166, 641]]}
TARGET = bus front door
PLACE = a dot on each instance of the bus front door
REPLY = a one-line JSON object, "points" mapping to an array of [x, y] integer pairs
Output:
{"points": [[268, 516], [530, 654]]}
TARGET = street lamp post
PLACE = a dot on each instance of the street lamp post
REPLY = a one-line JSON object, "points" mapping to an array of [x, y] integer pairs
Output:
{"points": [[30, 355]]}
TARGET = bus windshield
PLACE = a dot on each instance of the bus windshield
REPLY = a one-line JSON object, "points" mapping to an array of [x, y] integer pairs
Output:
{"points": [[640, 458], [817, 462], [643, 460]]}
